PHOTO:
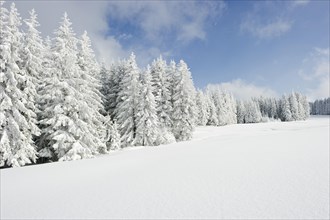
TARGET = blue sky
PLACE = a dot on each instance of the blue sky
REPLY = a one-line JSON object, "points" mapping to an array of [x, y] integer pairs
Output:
{"points": [[259, 47]]}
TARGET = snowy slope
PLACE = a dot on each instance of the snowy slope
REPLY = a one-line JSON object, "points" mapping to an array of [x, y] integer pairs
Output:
{"points": [[270, 170]]}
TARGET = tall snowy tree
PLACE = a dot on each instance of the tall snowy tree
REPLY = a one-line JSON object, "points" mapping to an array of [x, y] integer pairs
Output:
{"points": [[240, 112], [184, 106], [286, 114], [212, 112], [111, 86], [201, 107], [89, 87], [147, 124], [252, 112], [126, 109], [294, 106], [161, 83], [66, 129], [17, 126]]}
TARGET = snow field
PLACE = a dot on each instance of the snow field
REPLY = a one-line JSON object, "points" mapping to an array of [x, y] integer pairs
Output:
{"points": [[277, 170]]}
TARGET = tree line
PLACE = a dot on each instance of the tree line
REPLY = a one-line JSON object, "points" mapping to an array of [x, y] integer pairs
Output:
{"points": [[57, 103], [320, 107]]}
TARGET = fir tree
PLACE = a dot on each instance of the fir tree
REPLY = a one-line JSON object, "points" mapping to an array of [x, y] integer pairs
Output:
{"points": [[16, 117], [161, 83], [126, 109], [184, 108], [66, 133], [202, 107], [147, 125]]}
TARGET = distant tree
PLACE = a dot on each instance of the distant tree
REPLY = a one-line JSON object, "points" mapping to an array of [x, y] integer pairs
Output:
{"points": [[252, 112], [294, 106], [240, 112], [319, 107], [286, 114]]}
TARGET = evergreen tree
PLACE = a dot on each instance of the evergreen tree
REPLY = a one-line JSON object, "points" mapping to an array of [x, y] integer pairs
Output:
{"points": [[112, 86], [202, 107], [126, 109], [212, 113], [89, 86], [113, 135], [147, 125], [252, 112], [184, 103], [240, 112], [161, 83], [294, 107], [66, 131], [16, 117], [285, 109]]}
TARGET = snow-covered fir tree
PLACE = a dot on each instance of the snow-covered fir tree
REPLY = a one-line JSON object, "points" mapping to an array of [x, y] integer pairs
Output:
{"points": [[184, 105], [161, 83], [285, 113], [16, 116], [147, 124], [66, 129], [240, 112], [294, 106], [211, 110], [252, 112], [126, 108], [225, 105], [89, 87], [113, 135], [202, 108], [111, 86]]}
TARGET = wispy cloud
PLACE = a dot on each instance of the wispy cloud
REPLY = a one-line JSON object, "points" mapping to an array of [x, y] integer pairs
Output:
{"points": [[315, 68], [299, 3], [272, 29], [270, 19], [185, 20], [243, 90]]}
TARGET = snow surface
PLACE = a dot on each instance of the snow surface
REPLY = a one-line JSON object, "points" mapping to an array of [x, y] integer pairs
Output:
{"points": [[269, 170]]}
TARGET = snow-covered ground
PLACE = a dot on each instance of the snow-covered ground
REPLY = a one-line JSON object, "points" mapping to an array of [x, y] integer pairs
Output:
{"points": [[269, 170]]}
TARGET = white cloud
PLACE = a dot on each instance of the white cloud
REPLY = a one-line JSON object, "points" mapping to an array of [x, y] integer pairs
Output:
{"points": [[270, 19], [298, 3], [185, 19], [315, 69], [269, 30], [243, 90], [84, 15]]}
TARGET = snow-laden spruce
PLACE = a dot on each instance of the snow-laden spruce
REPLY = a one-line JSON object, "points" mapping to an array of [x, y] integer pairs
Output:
{"points": [[17, 118], [67, 120], [89, 86], [201, 108], [184, 103], [147, 123], [111, 80], [161, 83], [126, 109]]}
